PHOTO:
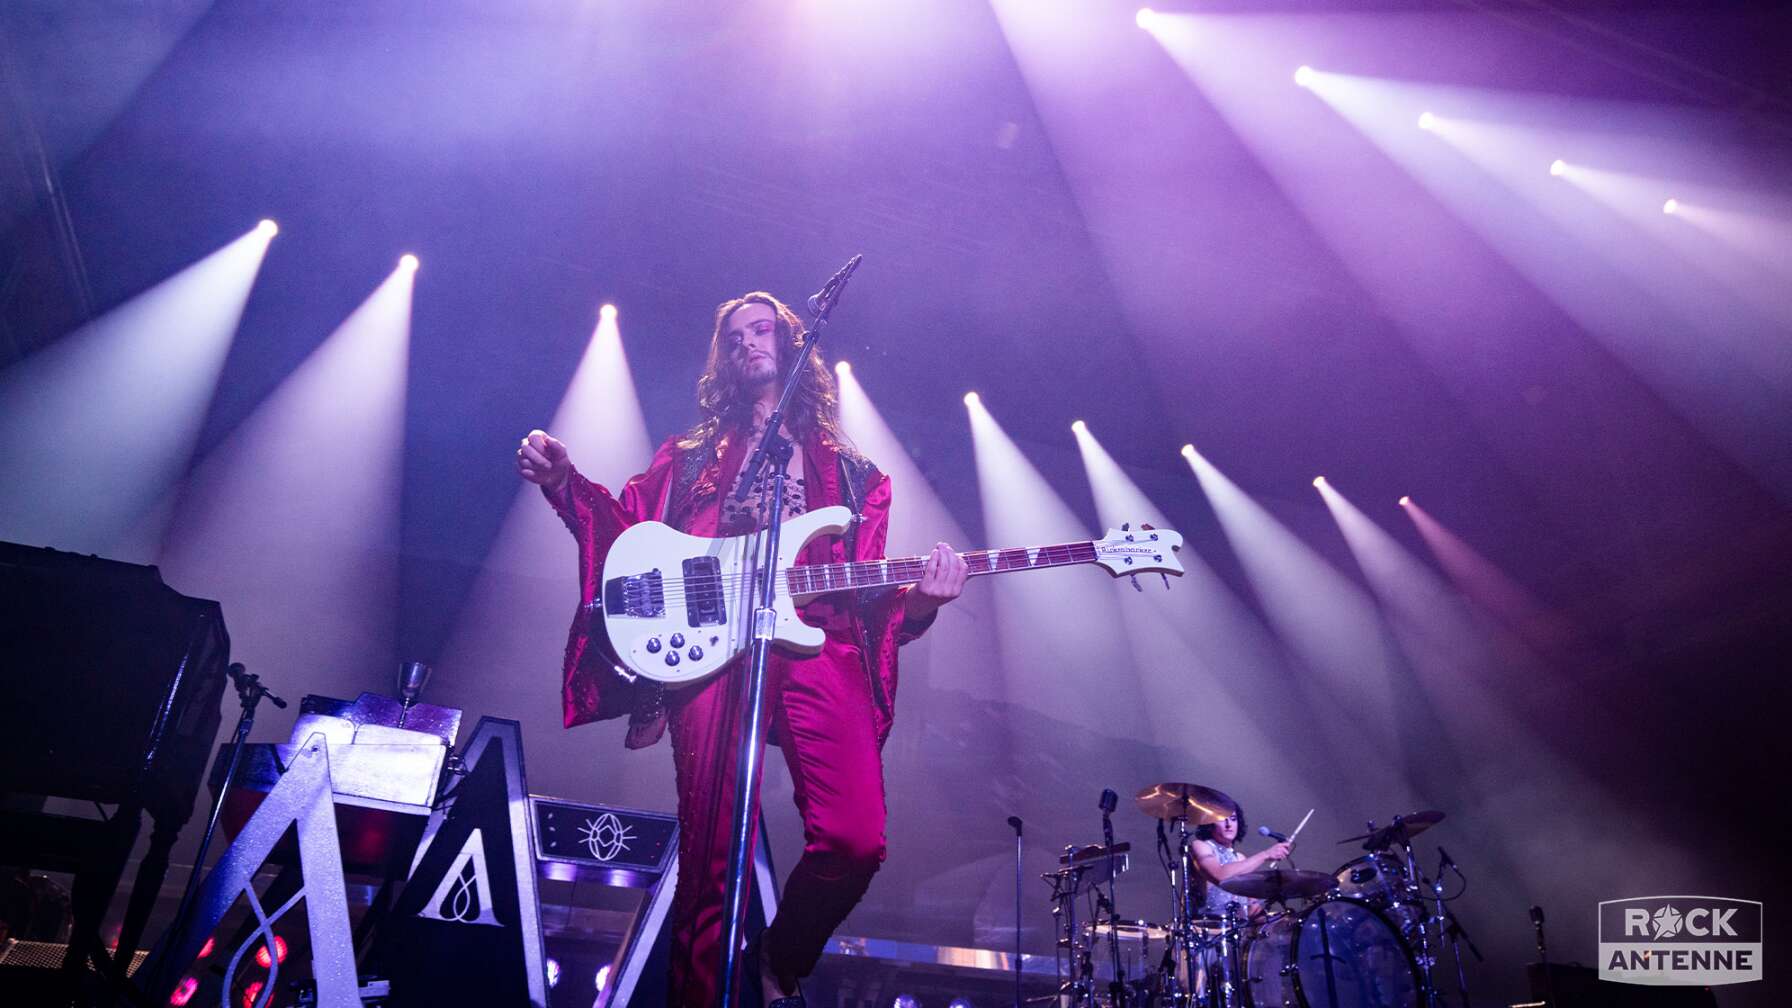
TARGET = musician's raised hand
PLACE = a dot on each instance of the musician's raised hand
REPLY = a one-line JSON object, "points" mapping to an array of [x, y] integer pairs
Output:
{"points": [[542, 460], [942, 580]]}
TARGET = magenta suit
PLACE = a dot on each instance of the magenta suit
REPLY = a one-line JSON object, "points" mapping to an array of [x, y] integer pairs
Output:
{"points": [[830, 712]]}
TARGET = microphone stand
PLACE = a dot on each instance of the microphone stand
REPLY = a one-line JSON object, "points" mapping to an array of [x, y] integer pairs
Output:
{"points": [[249, 692], [1117, 990], [774, 449], [1015, 822]]}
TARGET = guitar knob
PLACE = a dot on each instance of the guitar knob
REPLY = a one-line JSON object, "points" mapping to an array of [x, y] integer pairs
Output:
{"points": [[678, 640], [696, 653], [653, 645], [671, 657]]}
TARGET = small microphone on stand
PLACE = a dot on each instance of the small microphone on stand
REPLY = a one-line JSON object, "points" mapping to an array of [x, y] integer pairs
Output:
{"points": [[1272, 834], [823, 300]]}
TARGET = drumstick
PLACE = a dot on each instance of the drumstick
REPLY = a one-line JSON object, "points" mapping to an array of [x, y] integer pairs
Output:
{"points": [[1297, 829]]}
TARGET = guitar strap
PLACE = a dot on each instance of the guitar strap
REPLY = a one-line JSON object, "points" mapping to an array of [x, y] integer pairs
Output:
{"points": [[855, 481]]}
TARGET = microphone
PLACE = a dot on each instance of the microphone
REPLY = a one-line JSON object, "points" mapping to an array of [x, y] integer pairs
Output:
{"points": [[1014, 823], [1109, 801], [1272, 834], [823, 300], [1537, 916], [1449, 862]]}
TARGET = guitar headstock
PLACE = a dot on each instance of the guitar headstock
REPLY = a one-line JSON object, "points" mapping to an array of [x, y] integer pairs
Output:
{"points": [[1144, 550]]}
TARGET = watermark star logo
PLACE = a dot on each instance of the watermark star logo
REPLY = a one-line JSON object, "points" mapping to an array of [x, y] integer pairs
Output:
{"points": [[1672, 940]]}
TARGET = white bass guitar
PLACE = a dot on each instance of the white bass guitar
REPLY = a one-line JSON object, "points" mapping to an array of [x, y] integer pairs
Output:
{"points": [[674, 607]]}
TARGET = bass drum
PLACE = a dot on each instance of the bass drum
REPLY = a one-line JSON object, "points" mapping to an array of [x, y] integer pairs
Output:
{"points": [[1338, 953]]}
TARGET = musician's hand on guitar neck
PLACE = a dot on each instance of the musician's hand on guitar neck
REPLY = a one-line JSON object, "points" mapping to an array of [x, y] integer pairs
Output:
{"points": [[942, 580], [542, 460]]}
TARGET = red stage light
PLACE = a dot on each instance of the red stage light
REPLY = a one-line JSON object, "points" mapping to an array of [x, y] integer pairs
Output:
{"points": [[206, 949], [261, 954], [184, 991], [250, 993]]}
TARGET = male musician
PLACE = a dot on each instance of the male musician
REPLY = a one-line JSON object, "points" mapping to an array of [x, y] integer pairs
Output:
{"points": [[1218, 858], [830, 712]]}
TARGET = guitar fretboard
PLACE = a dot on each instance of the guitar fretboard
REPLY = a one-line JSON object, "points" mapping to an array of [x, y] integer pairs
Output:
{"points": [[814, 579]]}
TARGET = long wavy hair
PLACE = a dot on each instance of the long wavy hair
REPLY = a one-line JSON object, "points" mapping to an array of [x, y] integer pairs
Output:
{"points": [[1205, 831], [724, 403]]}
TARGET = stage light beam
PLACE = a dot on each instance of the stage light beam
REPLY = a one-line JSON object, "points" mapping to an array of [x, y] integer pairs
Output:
{"points": [[1671, 207], [1558, 167], [1304, 76], [972, 399], [138, 381], [283, 517], [1146, 18], [408, 263], [1427, 122], [842, 368]]}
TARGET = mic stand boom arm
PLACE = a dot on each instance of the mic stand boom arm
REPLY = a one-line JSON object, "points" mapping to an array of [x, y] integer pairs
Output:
{"points": [[750, 758]]}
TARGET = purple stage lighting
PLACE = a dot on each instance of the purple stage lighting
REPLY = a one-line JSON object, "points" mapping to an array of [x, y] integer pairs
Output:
{"points": [[1304, 76], [1146, 18], [1558, 167]]}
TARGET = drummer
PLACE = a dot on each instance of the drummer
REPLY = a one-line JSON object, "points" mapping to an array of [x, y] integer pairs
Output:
{"points": [[1218, 858]]}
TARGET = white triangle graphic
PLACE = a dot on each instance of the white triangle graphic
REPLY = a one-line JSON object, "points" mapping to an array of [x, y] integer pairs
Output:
{"points": [[459, 896]]}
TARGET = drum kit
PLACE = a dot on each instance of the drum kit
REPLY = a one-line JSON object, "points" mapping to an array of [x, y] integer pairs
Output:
{"points": [[1368, 935]]}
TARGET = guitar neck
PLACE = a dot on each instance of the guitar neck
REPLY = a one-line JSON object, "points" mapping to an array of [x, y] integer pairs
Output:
{"points": [[815, 579]]}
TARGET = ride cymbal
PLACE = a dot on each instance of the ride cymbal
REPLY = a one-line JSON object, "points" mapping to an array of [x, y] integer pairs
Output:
{"points": [[1402, 829]]}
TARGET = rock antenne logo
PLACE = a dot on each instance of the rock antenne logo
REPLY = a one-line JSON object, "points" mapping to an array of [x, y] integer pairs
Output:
{"points": [[1670, 940]]}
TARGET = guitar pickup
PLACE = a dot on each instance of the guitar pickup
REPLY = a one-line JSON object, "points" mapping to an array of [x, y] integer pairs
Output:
{"points": [[641, 595], [703, 601]]}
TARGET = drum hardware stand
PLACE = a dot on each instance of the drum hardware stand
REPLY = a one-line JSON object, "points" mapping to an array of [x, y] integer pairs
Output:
{"points": [[1425, 957], [1082, 968], [1452, 927], [773, 452]]}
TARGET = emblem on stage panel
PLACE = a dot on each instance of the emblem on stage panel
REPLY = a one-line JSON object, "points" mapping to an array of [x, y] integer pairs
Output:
{"points": [[606, 837], [1673, 940], [465, 893]]}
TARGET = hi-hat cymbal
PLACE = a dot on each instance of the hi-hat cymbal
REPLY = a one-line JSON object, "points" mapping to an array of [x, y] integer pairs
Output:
{"points": [[1191, 801], [1279, 884], [1402, 829], [1129, 930]]}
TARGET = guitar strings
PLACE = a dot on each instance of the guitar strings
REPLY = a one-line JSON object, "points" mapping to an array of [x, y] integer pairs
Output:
{"points": [[677, 589]]}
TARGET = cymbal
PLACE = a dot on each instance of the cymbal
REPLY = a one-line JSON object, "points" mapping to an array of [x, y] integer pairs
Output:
{"points": [[1403, 828], [1279, 884], [1191, 801]]}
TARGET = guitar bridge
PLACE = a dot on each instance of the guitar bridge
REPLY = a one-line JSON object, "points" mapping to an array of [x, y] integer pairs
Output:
{"points": [[703, 601], [640, 595]]}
